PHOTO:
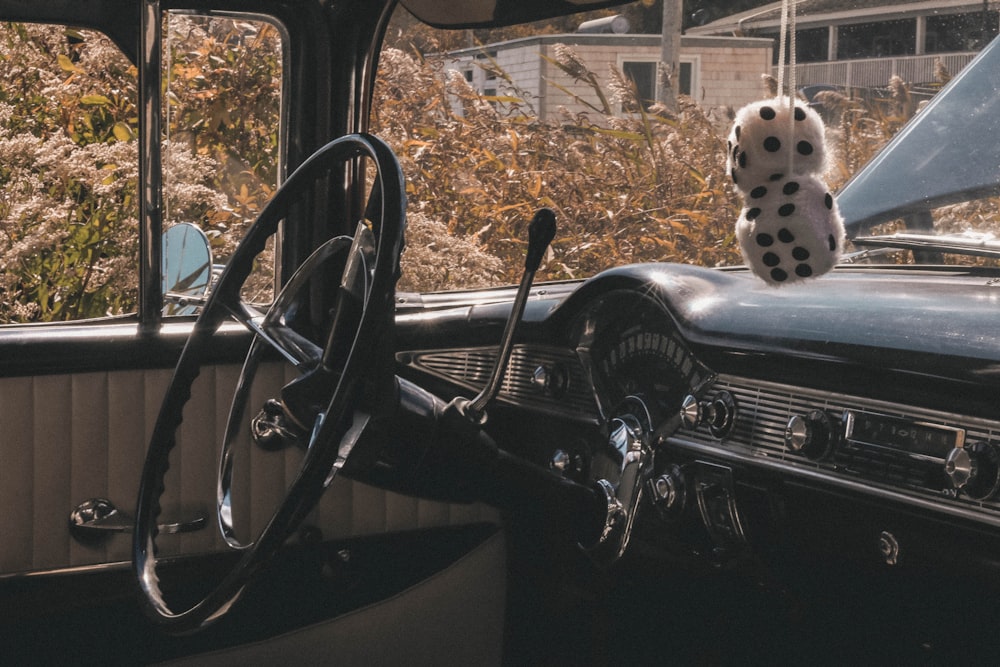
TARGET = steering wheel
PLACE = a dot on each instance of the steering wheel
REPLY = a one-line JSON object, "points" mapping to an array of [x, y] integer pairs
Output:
{"points": [[332, 399]]}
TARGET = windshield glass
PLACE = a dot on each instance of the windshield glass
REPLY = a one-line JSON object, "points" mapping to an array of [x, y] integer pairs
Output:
{"points": [[581, 114], [947, 154]]}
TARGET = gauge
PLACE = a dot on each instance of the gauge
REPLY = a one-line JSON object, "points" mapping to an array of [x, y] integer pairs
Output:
{"points": [[634, 348]]}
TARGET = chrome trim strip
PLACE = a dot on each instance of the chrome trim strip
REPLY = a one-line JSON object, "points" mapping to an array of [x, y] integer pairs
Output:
{"points": [[757, 439], [76, 569], [469, 369], [862, 486]]}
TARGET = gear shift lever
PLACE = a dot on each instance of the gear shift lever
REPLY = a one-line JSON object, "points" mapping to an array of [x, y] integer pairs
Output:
{"points": [[541, 231]]}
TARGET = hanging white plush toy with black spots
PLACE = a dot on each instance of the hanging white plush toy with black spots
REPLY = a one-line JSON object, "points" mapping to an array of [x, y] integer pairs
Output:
{"points": [[789, 228]]}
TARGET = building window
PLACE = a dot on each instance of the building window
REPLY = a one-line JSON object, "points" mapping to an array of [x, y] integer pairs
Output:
{"points": [[876, 40], [810, 45], [961, 32], [687, 78], [643, 75]]}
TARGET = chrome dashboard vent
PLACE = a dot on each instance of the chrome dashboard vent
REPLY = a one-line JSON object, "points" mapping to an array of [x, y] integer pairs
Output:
{"points": [[567, 391]]}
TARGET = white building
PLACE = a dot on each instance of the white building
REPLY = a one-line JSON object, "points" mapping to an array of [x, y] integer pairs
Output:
{"points": [[715, 71], [839, 44]]}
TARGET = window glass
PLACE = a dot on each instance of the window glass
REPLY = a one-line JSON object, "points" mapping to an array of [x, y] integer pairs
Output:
{"points": [[686, 82], [68, 175], [643, 77], [812, 45], [69, 206], [222, 139], [877, 39], [572, 122], [543, 115], [961, 32]]}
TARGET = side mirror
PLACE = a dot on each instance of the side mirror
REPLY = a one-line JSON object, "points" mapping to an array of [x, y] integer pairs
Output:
{"points": [[186, 269]]}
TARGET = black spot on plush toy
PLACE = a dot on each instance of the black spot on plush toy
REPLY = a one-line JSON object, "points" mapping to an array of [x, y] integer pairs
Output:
{"points": [[789, 229]]}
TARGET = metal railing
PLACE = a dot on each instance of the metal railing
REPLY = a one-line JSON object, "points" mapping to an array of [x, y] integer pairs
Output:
{"points": [[876, 72]]}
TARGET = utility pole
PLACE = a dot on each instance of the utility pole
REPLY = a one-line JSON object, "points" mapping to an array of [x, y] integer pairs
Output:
{"points": [[669, 73]]}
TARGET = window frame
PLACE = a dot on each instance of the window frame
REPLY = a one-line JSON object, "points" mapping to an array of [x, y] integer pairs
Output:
{"points": [[151, 158], [691, 60]]}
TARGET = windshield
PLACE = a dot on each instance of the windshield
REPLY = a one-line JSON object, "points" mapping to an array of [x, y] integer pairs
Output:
{"points": [[577, 114], [949, 153]]}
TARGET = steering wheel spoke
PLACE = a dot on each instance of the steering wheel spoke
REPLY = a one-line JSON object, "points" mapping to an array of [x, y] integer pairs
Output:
{"points": [[326, 408]]}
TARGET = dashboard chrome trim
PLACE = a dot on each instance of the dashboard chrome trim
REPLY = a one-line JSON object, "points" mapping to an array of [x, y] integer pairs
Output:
{"points": [[757, 440], [859, 486], [468, 368]]}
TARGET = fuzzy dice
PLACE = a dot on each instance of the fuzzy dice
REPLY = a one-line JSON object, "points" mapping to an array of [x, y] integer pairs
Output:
{"points": [[789, 228]]}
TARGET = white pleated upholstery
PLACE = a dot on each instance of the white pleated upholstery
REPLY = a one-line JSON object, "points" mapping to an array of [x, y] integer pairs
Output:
{"points": [[67, 438]]}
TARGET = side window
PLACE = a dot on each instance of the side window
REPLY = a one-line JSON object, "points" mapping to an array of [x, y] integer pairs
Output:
{"points": [[68, 175], [222, 139], [69, 168]]}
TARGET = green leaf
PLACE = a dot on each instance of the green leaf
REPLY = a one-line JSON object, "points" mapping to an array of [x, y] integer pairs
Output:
{"points": [[122, 131], [95, 100], [67, 65]]}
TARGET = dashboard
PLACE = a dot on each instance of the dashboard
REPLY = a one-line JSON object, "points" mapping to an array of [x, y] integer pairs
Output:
{"points": [[853, 419]]}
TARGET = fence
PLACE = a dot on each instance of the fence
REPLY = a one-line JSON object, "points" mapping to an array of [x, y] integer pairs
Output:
{"points": [[876, 72]]}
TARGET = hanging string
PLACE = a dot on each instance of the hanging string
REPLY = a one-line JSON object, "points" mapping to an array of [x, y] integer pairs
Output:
{"points": [[791, 50], [791, 82], [782, 33]]}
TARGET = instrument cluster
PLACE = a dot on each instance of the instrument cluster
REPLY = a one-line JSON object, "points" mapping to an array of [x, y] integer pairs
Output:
{"points": [[631, 345]]}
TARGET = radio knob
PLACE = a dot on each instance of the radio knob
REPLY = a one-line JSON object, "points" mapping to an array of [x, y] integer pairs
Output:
{"points": [[719, 414], [974, 470], [811, 435]]}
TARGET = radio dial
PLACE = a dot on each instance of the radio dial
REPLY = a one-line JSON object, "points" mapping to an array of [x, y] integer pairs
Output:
{"points": [[974, 470], [811, 435], [719, 414]]}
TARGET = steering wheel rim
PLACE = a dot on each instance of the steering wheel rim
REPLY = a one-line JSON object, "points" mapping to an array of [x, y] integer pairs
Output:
{"points": [[337, 426]]}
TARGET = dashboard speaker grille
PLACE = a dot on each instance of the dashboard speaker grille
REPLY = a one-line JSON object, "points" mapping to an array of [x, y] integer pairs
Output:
{"points": [[568, 393]]}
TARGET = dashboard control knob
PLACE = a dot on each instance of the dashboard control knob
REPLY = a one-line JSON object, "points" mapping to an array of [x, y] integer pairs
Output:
{"points": [[551, 379], [719, 414], [691, 411], [974, 470], [669, 492], [560, 461], [723, 414], [811, 435]]}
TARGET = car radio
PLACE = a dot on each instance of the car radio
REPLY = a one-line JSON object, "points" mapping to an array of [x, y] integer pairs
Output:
{"points": [[920, 454], [897, 450]]}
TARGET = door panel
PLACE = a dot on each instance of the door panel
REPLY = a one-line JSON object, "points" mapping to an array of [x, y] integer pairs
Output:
{"points": [[67, 438]]}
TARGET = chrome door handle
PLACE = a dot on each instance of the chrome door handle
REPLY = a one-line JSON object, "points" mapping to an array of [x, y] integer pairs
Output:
{"points": [[98, 517]]}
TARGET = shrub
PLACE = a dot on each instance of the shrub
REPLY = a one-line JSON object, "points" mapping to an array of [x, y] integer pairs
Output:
{"points": [[647, 187]]}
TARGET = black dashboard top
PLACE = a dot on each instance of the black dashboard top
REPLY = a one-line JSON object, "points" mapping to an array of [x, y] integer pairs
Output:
{"points": [[927, 336]]}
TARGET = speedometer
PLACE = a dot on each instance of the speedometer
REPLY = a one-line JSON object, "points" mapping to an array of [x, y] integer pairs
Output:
{"points": [[635, 349]]}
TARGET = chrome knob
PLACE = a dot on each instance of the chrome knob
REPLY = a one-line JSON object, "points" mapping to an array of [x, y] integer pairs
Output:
{"points": [[974, 470], [551, 379], [960, 467], [811, 435], [691, 412], [669, 492], [561, 460], [719, 414]]}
